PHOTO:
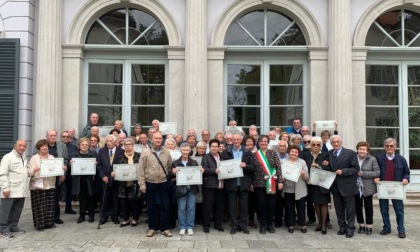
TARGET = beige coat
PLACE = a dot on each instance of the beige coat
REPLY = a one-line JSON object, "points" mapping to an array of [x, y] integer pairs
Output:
{"points": [[13, 175], [38, 183], [150, 169]]}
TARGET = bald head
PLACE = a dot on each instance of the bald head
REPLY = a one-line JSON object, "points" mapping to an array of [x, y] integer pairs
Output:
{"points": [[51, 136], [20, 146]]}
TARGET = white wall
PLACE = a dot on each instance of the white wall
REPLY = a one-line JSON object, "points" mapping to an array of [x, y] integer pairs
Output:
{"points": [[70, 9]]}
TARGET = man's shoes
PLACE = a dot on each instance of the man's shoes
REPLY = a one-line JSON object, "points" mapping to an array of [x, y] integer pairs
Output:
{"points": [[70, 211], [270, 229], [233, 231], [341, 232], [190, 231], [124, 224], [368, 231], [384, 232], [17, 230], [7, 235], [263, 229], [116, 221], [245, 230], [304, 230], [252, 224], [361, 230], [182, 231], [291, 230], [167, 233], [102, 221], [206, 230], [81, 219], [91, 219], [310, 222], [219, 228], [349, 235], [401, 235], [151, 233], [58, 221]]}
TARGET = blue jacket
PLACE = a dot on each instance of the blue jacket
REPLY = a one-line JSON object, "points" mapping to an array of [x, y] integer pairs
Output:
{"points": [[291, 130], [401, 167]]}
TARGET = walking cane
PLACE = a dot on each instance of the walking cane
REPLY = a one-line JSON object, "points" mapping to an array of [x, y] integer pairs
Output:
{"points": [[102, 208]]}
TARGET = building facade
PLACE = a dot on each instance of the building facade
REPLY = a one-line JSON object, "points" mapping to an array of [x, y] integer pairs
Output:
{"points": [[201, 63]]}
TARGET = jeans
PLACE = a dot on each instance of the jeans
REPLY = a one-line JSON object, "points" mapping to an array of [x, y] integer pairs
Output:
{"points": [[161, 191], [186, 210], [399, 212]]}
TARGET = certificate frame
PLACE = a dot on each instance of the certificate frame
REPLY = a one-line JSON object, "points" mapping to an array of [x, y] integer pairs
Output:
{"points": [[51, 167], [138, 148], [325, 125], [125, 172], [104, 131], [168, 128], [234, 130], [290, 171], [189, 175], [391, 190], [175, 154], [274, 145], [198, 159], [230, 169], [83, 166], [322, 178]]}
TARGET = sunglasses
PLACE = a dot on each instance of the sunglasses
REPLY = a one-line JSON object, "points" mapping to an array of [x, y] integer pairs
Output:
{"points": [[306, 141], [317, 145], [65, 136]]}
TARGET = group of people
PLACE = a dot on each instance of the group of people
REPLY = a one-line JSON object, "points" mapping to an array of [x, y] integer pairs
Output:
{"points": [[262, 189]]}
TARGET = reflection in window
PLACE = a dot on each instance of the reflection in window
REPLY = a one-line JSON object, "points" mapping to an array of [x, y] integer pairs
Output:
{"points": [[264, 28]]}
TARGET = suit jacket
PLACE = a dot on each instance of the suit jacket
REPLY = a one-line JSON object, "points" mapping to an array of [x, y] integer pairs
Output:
{"points": [[104, 166], [249, 169], [346, 183]]}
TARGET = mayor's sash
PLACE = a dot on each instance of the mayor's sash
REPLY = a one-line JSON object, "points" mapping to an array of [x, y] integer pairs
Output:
{"points": [[270, 173]]}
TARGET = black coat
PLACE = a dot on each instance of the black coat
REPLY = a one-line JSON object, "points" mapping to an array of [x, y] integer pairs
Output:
{"points": [[249, 169], [210, 179], [122, 187], [77, 179], [309, 159], [104, 166], [178, 163]]}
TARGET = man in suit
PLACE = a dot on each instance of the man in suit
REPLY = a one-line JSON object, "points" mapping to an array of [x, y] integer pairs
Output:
{"points": [[107, 156], [345, 165], [238, 188]]}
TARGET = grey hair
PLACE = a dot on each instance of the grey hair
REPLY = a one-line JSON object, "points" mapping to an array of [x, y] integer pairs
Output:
{"points": [[294, 136], [170, 139], [316, 139], [201, 144], [282, 141], [307, 136], [238, 135], [391, 139], [335, 136], [114, 138], [185, 145], [129, 140]]}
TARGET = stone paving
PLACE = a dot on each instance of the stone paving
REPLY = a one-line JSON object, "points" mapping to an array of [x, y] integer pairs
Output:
{"points": [[86, 237]]}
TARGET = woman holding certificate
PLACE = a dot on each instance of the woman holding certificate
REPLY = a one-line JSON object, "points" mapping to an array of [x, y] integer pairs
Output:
{"points": [[295, 192], [42, 189], [267, 178]]}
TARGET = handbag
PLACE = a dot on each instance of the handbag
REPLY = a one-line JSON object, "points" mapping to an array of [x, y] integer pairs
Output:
{"points": [[180, 191], [94, 188], [135, 193]]}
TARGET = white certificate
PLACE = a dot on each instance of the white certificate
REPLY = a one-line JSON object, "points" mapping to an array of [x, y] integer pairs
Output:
{"points": [[190, 175], [83, 166], [104, 131], [168, 128], [198, 159], [125, 172], [51, 167], [325, 125], [138, 148], [391, 190], [322, 178], [230, 169], [175, 154], [273, 145], [290, 171], [233, 130]]}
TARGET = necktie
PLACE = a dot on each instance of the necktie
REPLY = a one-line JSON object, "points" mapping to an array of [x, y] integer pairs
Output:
{"points": [[335, 153], [110, 152]]}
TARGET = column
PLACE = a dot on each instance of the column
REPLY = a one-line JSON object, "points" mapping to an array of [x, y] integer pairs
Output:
{"points": [[48, 81], [340, 93], [195, 99]]}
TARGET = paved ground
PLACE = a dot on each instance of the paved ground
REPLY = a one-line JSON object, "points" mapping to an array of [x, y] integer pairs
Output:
{"points": [[85, 237]]}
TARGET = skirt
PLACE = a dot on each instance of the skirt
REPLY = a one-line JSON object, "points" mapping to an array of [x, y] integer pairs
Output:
{"points": [[42, 205]]}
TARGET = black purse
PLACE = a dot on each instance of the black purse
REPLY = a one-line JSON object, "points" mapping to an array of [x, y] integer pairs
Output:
{"points": [[180, 191], [93, 186], [134, 193]]}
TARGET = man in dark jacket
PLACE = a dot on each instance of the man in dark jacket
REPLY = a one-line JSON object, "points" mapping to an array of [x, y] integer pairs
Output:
{"points": [[393, 167], [238, 188]]}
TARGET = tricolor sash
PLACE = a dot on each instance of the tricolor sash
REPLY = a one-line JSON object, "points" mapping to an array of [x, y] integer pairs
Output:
{"points": [[270, 173]]}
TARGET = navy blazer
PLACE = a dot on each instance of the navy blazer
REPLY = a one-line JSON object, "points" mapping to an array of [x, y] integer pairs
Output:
{"points": [[249, 169], [104, 166], [401, 167]]}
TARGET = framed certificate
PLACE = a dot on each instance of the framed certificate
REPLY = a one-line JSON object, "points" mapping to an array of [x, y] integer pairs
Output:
{"points": [[290, 171], [190, 175], [230, 169], [104, 130], [175, 154], [198, 159], [273, 145], [168, 128], [83, 166], [138, 148], [322, 178], [51, 167], [233, 130], [325, 125], [391, 190], [125, 172]]}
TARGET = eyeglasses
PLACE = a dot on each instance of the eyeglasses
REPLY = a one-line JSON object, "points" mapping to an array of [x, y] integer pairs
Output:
{"points": [[306, 141], [65, 136], [389, 146], [128, 144], [316, 145]]}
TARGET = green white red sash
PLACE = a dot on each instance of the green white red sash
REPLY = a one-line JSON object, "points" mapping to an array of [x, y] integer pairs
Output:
{"points": [[270, 173]]}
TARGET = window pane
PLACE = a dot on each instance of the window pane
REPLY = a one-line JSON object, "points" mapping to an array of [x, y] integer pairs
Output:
{"points": [[414, 159], [414, 138], [286, 74], [235, 35], [105, 73], [381, 95], [154, 36], [145, 115], [276, 24], [391, 23], [148, 74], [382, 117], [240, 95], [244, 74], [280, 95], [375, 137], [244, 116], [98, 35], [107, 115], [254, 24], [411, 21], [377, 74], [147, 95], [138, 21], [293, 36], [283, 116], [105, 94], [414, 117]]}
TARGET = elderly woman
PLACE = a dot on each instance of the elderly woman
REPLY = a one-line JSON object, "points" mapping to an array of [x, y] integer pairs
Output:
{"points": [[118, 124], [250, 144], [296, 139], [369, 170], [285, 137], [267, 178], [192, 140], [200, 149], [137, 132], [94, 144], [170, 144], [186, 195], [42, 189], [179, 138], [80, 183], [220, 136], [127, 189], [325, 135], [319, 195]]}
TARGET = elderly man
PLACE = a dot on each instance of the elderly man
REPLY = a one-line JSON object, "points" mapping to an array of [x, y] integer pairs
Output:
{"points": [[154, 166], [238, 188], [205, 136], [93, 121], [306, 143], [143, 141], [150, 133], [58, 150], [346, 166], [272, 135], [155, 124], [14, 186], [107, 156], [278, 215], [121, 137], [305, 130], [73, 140], [393, 167], [310, 210], [68, 183]]}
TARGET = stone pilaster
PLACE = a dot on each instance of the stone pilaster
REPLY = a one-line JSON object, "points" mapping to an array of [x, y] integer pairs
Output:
{"points": [[195, 99], [48, 101]]}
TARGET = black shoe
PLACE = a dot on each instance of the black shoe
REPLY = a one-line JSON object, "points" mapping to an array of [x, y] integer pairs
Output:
{"points": [[401, 235], [81, 219], [245, 230], [368, 231], [341, 232], [252, 224], [233, 231], [310, 222], [91, 219], [263, 229], [206, 230], [324, 232], [318, 228], [134, 223], [116, 221], [59, 221], [219, 228], [123, 224], [385, 232], [102, 221], [270, 229], [361, 230], [70, 211], [304, 230], [349, 235], [291, 230]]}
